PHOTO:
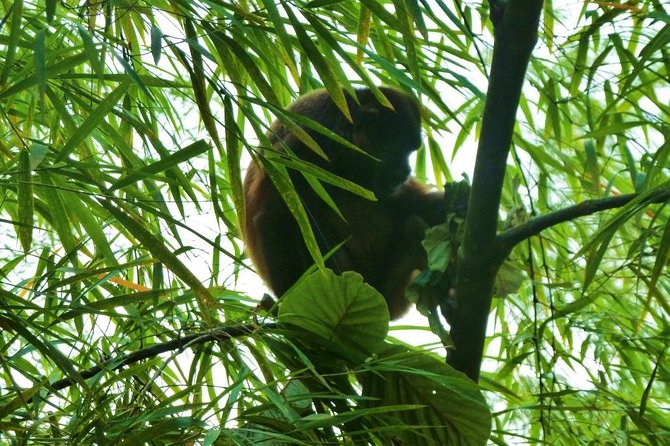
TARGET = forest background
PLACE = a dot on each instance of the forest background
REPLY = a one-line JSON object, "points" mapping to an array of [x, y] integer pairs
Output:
{"points": [[128, 311]]}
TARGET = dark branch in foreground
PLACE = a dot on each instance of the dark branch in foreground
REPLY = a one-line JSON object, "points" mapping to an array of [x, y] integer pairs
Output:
{"points": [[515, 34], [181, 343], [510, 238]]}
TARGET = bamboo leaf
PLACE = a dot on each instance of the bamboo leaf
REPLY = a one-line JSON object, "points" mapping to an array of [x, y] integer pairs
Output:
{"points": [[156, 43], [189, 152], [59, 217], [24, 185], [284, 37], [251, 67], [662, 256], [320, 64], [93, 120], [51, 9], [280, 179], [14, 34], [157, 248], [363, 34], [11, 323], [91, 52], [40, 61], [91, 225], [233, 138]]}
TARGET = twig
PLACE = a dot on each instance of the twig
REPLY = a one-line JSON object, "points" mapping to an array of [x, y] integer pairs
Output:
{"points": [[111, 365], [511, 237]]}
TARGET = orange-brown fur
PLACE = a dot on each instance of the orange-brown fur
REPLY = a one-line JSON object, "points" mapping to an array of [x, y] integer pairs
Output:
{"points": [[383, 236]]}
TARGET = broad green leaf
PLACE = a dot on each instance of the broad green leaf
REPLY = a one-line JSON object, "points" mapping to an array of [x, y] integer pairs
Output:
{"points": [[450, 408], [337, 307]]}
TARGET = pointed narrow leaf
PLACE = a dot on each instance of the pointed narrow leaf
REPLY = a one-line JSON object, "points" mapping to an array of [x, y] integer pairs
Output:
{"points": [[59, 217], [39, 53], [96, 117], [286, 40], [191, 151], [417, 15], [57, 68], [162, 253], [199, 82], [320, 64], [251, 67], [91, 225], [294, 203], [24, 186], [156, 43], [12, 44], [12, 323], [662, 256], [51, 9], [233, 137], [363, 33], [91, 51]]}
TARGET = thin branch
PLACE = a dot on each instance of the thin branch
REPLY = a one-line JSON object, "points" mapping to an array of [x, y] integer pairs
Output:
{"points": [[511, 237], [181, 343]]}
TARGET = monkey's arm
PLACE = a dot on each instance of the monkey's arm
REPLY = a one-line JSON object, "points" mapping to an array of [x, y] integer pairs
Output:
{"points": [[413, 198], [405, 255]]}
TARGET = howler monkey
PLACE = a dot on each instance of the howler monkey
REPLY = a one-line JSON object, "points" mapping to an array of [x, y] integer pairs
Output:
{"points": [[383, 237]]}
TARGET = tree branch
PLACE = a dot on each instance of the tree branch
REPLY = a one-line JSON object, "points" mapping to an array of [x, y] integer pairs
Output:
{"points": [[222, 333], [516, 23], [513, 236]]}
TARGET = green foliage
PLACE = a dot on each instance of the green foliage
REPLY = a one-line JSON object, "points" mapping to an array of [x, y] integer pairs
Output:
{"points": [[415, 397], [124, 131], [340, 308]]}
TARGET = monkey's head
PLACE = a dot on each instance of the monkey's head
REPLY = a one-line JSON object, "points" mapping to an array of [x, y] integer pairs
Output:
{"points": [[387, 136]]}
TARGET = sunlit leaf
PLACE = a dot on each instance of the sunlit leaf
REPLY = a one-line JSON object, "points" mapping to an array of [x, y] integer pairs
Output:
{"points": [[156, 43], [40, 60], [340, 307], [91, 51], [94, 119], [450, 407], [24, 200]]}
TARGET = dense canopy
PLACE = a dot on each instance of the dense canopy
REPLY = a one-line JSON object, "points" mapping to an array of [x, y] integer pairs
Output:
{"points": [[128, 309]]}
